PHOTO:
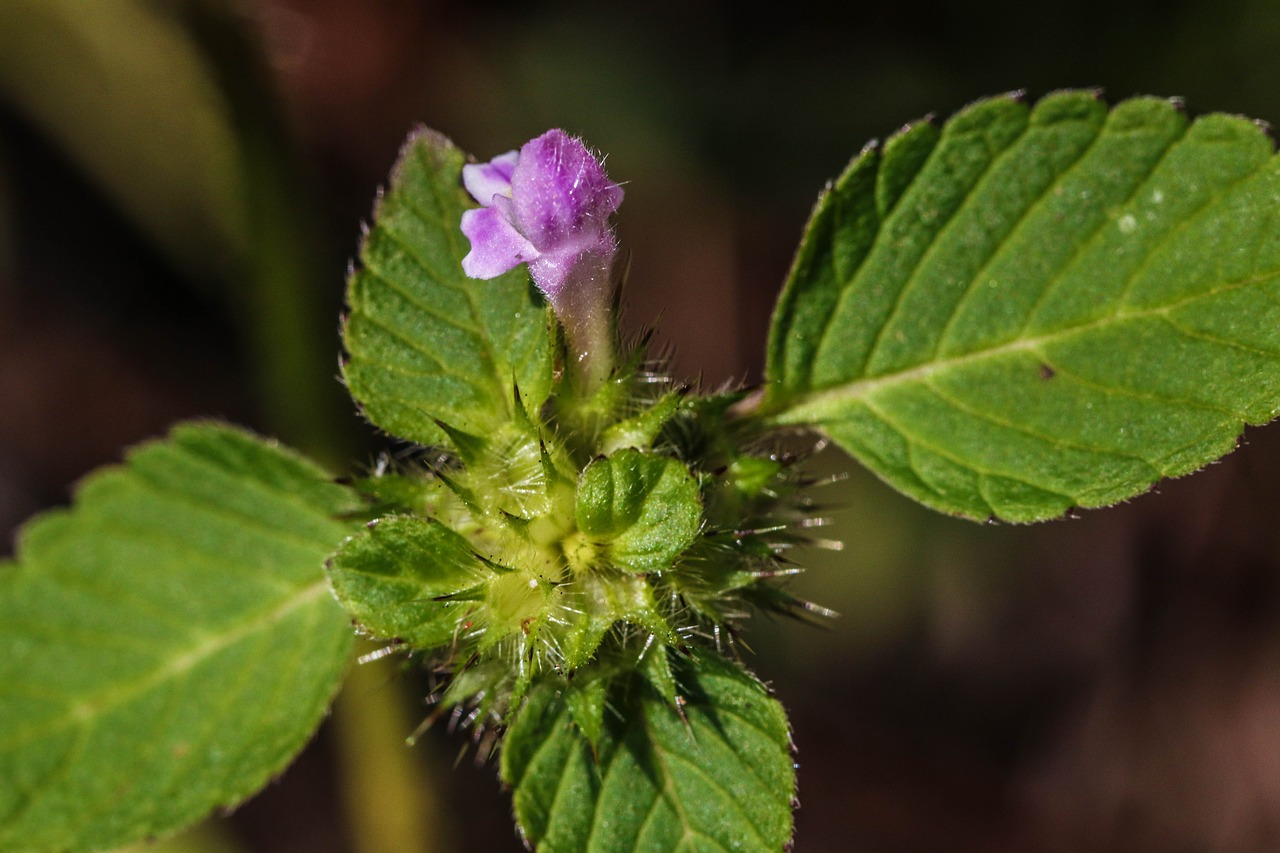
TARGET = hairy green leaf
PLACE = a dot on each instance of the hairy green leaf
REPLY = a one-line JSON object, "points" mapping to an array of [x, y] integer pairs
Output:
{"points": [[425, 342], [719, 779], [644, 506], [392, 578], [169, 643], [1037, 308]]}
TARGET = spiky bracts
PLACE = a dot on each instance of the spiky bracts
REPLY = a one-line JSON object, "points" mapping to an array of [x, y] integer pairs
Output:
{"points": [[591, 538]]}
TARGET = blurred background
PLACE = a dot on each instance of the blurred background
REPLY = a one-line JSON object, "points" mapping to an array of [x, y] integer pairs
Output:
{"points": [[181, 188]]}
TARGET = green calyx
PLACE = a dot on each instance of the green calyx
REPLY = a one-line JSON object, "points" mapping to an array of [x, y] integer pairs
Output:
{"points": [[568, 541]]}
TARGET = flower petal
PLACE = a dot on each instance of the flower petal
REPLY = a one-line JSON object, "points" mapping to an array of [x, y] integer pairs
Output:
{"points": [[562, 196], [496, 246], [485, 180]]}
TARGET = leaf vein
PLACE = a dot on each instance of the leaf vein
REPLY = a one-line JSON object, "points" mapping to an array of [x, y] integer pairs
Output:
{"points": [[1120, 390], [712, 782], [813, 407], [937, 236], [404, 245], [998, 251], [1052, 441], [29, 797], [1098, 231], [372, 273], [946, 453], [176, 665], [1198, 335], [248, 485], [1179, 227], [417, 347], [78, 581]]}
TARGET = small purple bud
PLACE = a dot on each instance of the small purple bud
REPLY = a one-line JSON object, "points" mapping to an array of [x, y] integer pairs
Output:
{"points": [[548, 206], [485, 180]]}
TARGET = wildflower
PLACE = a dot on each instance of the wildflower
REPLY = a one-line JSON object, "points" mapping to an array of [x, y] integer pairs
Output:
{"points": [[548, 206]]}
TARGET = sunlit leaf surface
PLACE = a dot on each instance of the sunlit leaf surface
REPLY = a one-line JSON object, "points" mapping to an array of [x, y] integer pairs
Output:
{"points": [[169, 643], [1034, 308]]}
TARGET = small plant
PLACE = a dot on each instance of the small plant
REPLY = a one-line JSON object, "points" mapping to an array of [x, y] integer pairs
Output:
{"points": [[1025, 310]]}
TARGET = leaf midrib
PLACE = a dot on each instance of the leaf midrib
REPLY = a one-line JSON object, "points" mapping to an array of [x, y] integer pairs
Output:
{"points": [[827, 404], [87, 710]]}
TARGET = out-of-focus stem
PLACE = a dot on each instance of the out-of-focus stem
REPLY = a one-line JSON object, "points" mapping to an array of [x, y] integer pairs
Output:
{"points": [[391, 801]]}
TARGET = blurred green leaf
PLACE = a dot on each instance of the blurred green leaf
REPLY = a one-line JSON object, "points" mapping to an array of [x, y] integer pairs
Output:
{"points": [[121, 86], [1032, 309], [170, 108], [169, 643], [424, 341], [720, 777]]}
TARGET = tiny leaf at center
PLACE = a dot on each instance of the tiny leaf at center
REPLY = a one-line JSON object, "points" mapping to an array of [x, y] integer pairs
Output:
{"points": [[644, 507], [395, 577]]}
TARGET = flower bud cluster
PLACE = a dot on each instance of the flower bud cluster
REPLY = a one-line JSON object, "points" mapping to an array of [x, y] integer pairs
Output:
{"points": [[623, 521]]}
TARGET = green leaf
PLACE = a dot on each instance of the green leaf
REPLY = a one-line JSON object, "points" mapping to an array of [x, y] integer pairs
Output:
{"points": [[168, 644], [424, 341], [1034, 309], [721, 778], [392, 576], [645, 507]]}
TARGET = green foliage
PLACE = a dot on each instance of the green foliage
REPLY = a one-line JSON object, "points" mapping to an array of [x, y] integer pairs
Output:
{"points": [[713, 773], [168, 644], [643, 506], [1031, 309], [1025, 309], [426, 343]]}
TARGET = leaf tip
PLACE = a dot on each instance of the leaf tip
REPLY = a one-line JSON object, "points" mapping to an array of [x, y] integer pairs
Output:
{"points": [[1266, 129], [433, 140]]}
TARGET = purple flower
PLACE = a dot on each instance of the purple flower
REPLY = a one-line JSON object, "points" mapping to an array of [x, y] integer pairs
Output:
{"points": [[548, 205]]}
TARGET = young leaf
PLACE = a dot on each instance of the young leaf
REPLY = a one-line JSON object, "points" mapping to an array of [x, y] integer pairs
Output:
{"points": [[1038, 308], [644, 506], [169, 643], [396, 578], [720, 779], [424, 342]]}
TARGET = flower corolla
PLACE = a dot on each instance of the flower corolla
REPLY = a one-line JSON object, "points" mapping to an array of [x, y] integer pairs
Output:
{"points": [[548, 206]]}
